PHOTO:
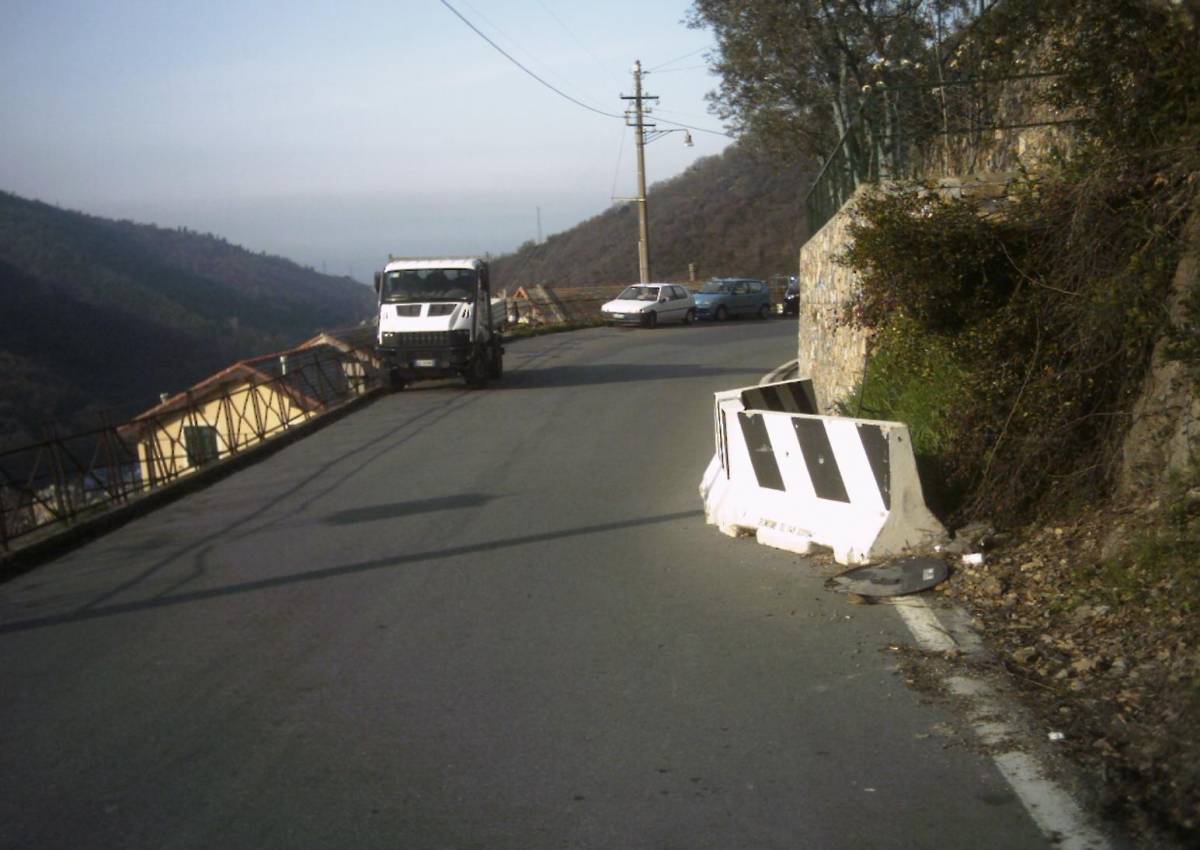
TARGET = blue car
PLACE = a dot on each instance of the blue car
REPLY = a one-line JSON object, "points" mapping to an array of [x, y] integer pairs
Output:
{"points": [[723, 297]]}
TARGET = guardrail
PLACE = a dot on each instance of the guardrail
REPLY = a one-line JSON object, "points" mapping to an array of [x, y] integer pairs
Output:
{"points": [[48, 486]]}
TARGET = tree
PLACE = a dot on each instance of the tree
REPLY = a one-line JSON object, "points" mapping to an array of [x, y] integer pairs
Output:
{"points": [[797, 74]]}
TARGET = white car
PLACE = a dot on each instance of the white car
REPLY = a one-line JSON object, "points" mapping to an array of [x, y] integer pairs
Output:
{"points": [[647, 304]]}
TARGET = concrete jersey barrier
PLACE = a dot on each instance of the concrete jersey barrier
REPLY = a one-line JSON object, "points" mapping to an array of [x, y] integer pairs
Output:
{"points": [[795, 479]]}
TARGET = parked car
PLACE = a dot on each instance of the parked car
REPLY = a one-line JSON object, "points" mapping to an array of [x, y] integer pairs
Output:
{"points": [[647, 304], [723, 297], [791, 298]]}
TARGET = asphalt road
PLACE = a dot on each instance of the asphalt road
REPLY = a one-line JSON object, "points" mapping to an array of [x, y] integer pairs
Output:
{"points": [[489, 619]]}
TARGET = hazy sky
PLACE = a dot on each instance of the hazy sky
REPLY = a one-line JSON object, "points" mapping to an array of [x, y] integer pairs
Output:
{"points": [[335, 133]]}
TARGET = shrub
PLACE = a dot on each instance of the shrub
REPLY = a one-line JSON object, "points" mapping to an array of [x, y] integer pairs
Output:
{"points": [[1047, 311]]}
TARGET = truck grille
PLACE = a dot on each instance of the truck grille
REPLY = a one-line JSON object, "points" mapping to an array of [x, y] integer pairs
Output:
{"points": [[426, 339]]}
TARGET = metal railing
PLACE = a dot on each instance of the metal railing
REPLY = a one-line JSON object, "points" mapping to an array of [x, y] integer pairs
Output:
{"points": [[48, 486], [950, 127]]}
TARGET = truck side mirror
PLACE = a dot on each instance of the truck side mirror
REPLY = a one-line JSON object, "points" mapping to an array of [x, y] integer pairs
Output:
{"points": [[378, 281]]}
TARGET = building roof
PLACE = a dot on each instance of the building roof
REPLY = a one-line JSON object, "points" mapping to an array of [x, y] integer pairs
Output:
{"points": [[357, 338], [311, 377]]}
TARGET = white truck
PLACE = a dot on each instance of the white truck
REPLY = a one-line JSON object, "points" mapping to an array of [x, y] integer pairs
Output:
{"points": [[437, 319]]}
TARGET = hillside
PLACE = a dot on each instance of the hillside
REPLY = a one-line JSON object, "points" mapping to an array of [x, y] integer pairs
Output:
{"points": [[102, 315], [733, 214]]}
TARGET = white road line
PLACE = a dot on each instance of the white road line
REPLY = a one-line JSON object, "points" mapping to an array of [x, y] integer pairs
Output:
{"points": [[1052, 809]]}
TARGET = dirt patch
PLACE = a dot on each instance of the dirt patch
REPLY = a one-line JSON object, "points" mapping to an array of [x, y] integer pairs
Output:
{"points": [[1095, 623]]}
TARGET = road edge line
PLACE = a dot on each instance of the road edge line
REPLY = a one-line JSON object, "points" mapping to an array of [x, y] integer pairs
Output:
{"points": [[1052, 809]]}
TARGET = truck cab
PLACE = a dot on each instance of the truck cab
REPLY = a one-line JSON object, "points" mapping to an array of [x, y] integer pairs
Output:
{"points": [[437, 319]]}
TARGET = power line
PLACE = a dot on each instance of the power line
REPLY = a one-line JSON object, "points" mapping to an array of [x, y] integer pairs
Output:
{"points": [[477, 15], [684, 68], [690, 127], [660, 109], [617, 170], [562, 93], [676, 59], [575, 38], [510, 58]]}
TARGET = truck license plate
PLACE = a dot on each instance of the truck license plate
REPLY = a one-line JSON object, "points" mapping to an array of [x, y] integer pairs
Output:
{"points": [[425, 363]]}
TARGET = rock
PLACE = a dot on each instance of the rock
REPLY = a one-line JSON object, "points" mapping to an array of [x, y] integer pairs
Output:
{"points": [[972, 534], [1025, 654], [992, 586], [1088, 612], [995, 540], [955, 547]]}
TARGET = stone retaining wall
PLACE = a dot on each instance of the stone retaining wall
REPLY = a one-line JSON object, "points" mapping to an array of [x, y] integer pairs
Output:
{"points": [[833, 355]]}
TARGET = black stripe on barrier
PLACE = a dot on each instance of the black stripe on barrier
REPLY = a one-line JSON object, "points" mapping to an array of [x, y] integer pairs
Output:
{"points": [[762, 453], [818, 457], [788, 397], [725, 445], [875, 445]]}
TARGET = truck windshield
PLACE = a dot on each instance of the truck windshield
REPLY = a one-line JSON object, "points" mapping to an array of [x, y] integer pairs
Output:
{"points": [[429, 285]]}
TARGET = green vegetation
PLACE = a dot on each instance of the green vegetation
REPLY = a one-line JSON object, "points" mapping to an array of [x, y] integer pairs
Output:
{"points": [[1048, 310], [797, 74], [1015, 335], [916, 379], [1158, 569]]}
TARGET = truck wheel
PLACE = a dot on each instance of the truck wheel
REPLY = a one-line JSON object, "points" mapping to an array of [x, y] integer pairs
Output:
{"points": [[395, 381], [496, 372], [477, 372]]}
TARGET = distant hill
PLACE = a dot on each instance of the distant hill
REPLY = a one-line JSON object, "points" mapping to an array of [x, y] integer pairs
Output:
{"points": [[733, 214], [97, 314]]}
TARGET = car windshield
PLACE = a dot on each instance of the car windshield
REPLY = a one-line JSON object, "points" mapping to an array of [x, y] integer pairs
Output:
{"points": [[429, 285], [639, 293], [715, 286]]}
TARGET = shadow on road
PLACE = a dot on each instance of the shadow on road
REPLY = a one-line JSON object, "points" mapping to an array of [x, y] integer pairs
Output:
{"points": [[414, 506], [611, 373], [354, 568]]}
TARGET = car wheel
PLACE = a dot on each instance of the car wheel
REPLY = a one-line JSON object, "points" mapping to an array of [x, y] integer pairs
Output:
{"points": [[722, 314], [652, 319], [689, 316], [764, 311]]}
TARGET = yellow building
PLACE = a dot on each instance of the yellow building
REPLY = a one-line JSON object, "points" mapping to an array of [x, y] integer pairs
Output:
{"points": [[242, 405]]}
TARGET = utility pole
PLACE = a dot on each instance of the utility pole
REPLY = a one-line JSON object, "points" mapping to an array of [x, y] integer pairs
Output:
{"points": [[640, 126]]}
